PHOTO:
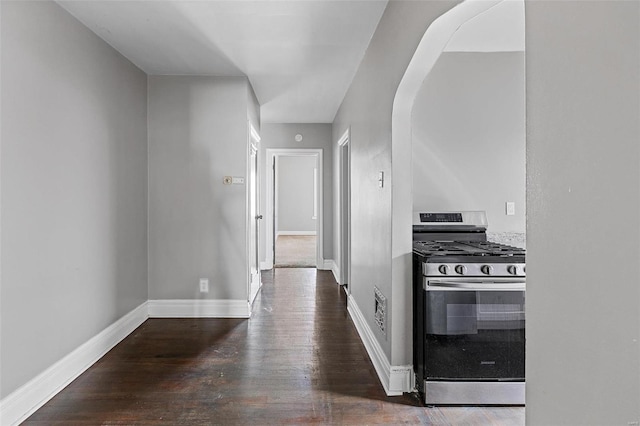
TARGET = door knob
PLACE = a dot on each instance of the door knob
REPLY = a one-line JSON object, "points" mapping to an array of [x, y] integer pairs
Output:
{"points": [[259, 216]]}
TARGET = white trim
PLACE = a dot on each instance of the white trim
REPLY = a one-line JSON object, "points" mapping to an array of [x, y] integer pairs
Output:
{"points": [[23, 402], [295, 233], [254, 281], [209, 308], [344, 211], [274, 154], [315, 193], [254, 288], [344, 139], [254, 133], [395, 379], [331, 265], [265, 266]]}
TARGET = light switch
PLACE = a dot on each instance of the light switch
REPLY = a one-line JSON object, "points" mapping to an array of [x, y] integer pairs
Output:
{"points": [[236, 180], [227, 180], [511, 208]]}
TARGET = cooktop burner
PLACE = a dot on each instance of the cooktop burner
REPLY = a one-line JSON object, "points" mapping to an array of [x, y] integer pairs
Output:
{"points": [[465, 248]]}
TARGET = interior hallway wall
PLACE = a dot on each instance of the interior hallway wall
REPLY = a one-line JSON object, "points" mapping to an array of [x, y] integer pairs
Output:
{"points": [[198, 134], [315, 136], [583, 210], [74, 188]]}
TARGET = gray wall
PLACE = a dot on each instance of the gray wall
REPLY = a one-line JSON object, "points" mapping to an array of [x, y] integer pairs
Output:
{"points": [[469, 137], [74, 188], [315, 136], [583, 210], [197, 225], [295, 194], [367, 109]]}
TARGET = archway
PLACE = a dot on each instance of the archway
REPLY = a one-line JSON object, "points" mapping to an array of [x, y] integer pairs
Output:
{"points": [[427, 53]]}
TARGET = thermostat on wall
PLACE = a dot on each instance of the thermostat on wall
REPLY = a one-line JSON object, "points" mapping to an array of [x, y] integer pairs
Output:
{"points": [[235, 180]]}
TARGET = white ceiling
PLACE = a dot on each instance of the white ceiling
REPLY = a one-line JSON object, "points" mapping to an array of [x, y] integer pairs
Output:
{"points": [[300, 55]]}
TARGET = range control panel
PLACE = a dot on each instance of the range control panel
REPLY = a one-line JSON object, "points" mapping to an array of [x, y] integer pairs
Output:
{"points": [[440, 217]]}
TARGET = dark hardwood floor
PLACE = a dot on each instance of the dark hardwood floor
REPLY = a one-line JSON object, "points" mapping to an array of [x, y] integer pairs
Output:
{"points": [[298, 360]]}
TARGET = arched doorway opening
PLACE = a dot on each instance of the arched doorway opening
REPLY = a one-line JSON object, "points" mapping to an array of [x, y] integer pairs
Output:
{"points": [[428, 52]]}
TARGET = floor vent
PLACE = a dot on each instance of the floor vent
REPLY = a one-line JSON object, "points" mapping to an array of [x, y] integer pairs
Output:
{"points": [[380, 310]]}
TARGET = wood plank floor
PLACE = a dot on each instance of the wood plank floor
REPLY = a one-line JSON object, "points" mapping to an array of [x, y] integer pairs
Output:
{"points": [[298, 360]]}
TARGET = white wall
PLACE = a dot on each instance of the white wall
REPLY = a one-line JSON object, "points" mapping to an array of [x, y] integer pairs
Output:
{"points": [[315, 136], [366, 110], [583, 210], [74, 188], [295, 189], [469, 137], [197, 225]]}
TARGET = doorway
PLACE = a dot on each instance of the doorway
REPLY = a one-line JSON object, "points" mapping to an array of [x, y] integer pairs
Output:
{"points": [[294, 208], [344, 209]]}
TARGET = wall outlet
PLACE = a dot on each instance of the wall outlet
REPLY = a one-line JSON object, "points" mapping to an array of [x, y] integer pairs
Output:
{"points": [[381, 180], [511, 208], [204, 285]]}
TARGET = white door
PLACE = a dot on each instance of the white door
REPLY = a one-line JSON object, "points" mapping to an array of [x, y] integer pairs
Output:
{"points": [[254, 217]]}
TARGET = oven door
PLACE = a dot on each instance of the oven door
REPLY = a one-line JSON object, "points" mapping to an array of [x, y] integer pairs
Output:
{"points": [[474, 329]]}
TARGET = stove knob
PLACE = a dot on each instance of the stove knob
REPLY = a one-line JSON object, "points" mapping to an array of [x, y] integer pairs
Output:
{"points": [[444, 269], [461, 269], [512, 269], [486, 269]]}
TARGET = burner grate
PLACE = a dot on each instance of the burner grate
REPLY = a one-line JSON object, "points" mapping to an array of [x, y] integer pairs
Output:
{"points": [[465, 248]]}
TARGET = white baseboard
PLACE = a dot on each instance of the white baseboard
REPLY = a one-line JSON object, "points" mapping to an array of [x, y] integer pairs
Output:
{"points": [[199, 309], [395, 379], [295, 233], [331, 265], [23, 402]]}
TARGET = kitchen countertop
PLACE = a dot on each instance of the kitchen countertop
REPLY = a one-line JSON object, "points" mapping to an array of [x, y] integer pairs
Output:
{"points": [[515, 239]]}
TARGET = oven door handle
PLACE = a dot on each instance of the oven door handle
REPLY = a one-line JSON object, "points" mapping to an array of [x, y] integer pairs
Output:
{"points": [[443, 285]]}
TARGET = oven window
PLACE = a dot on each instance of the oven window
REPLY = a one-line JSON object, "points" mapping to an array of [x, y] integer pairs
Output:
{"points": [[474, 335]]}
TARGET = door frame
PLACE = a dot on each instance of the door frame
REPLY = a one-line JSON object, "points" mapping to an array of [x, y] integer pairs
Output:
{"points": [[271, 156], [344, 208], [253, 147]]}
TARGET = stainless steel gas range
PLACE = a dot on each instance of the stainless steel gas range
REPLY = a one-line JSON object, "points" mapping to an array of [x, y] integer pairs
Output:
{"points": [[469, 312]]}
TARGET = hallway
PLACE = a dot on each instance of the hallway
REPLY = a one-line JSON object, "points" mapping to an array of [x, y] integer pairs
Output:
{"points": [[298, 360]]}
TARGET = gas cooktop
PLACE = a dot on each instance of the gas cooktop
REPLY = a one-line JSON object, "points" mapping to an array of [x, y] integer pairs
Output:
{"points": [[466, 249]]}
